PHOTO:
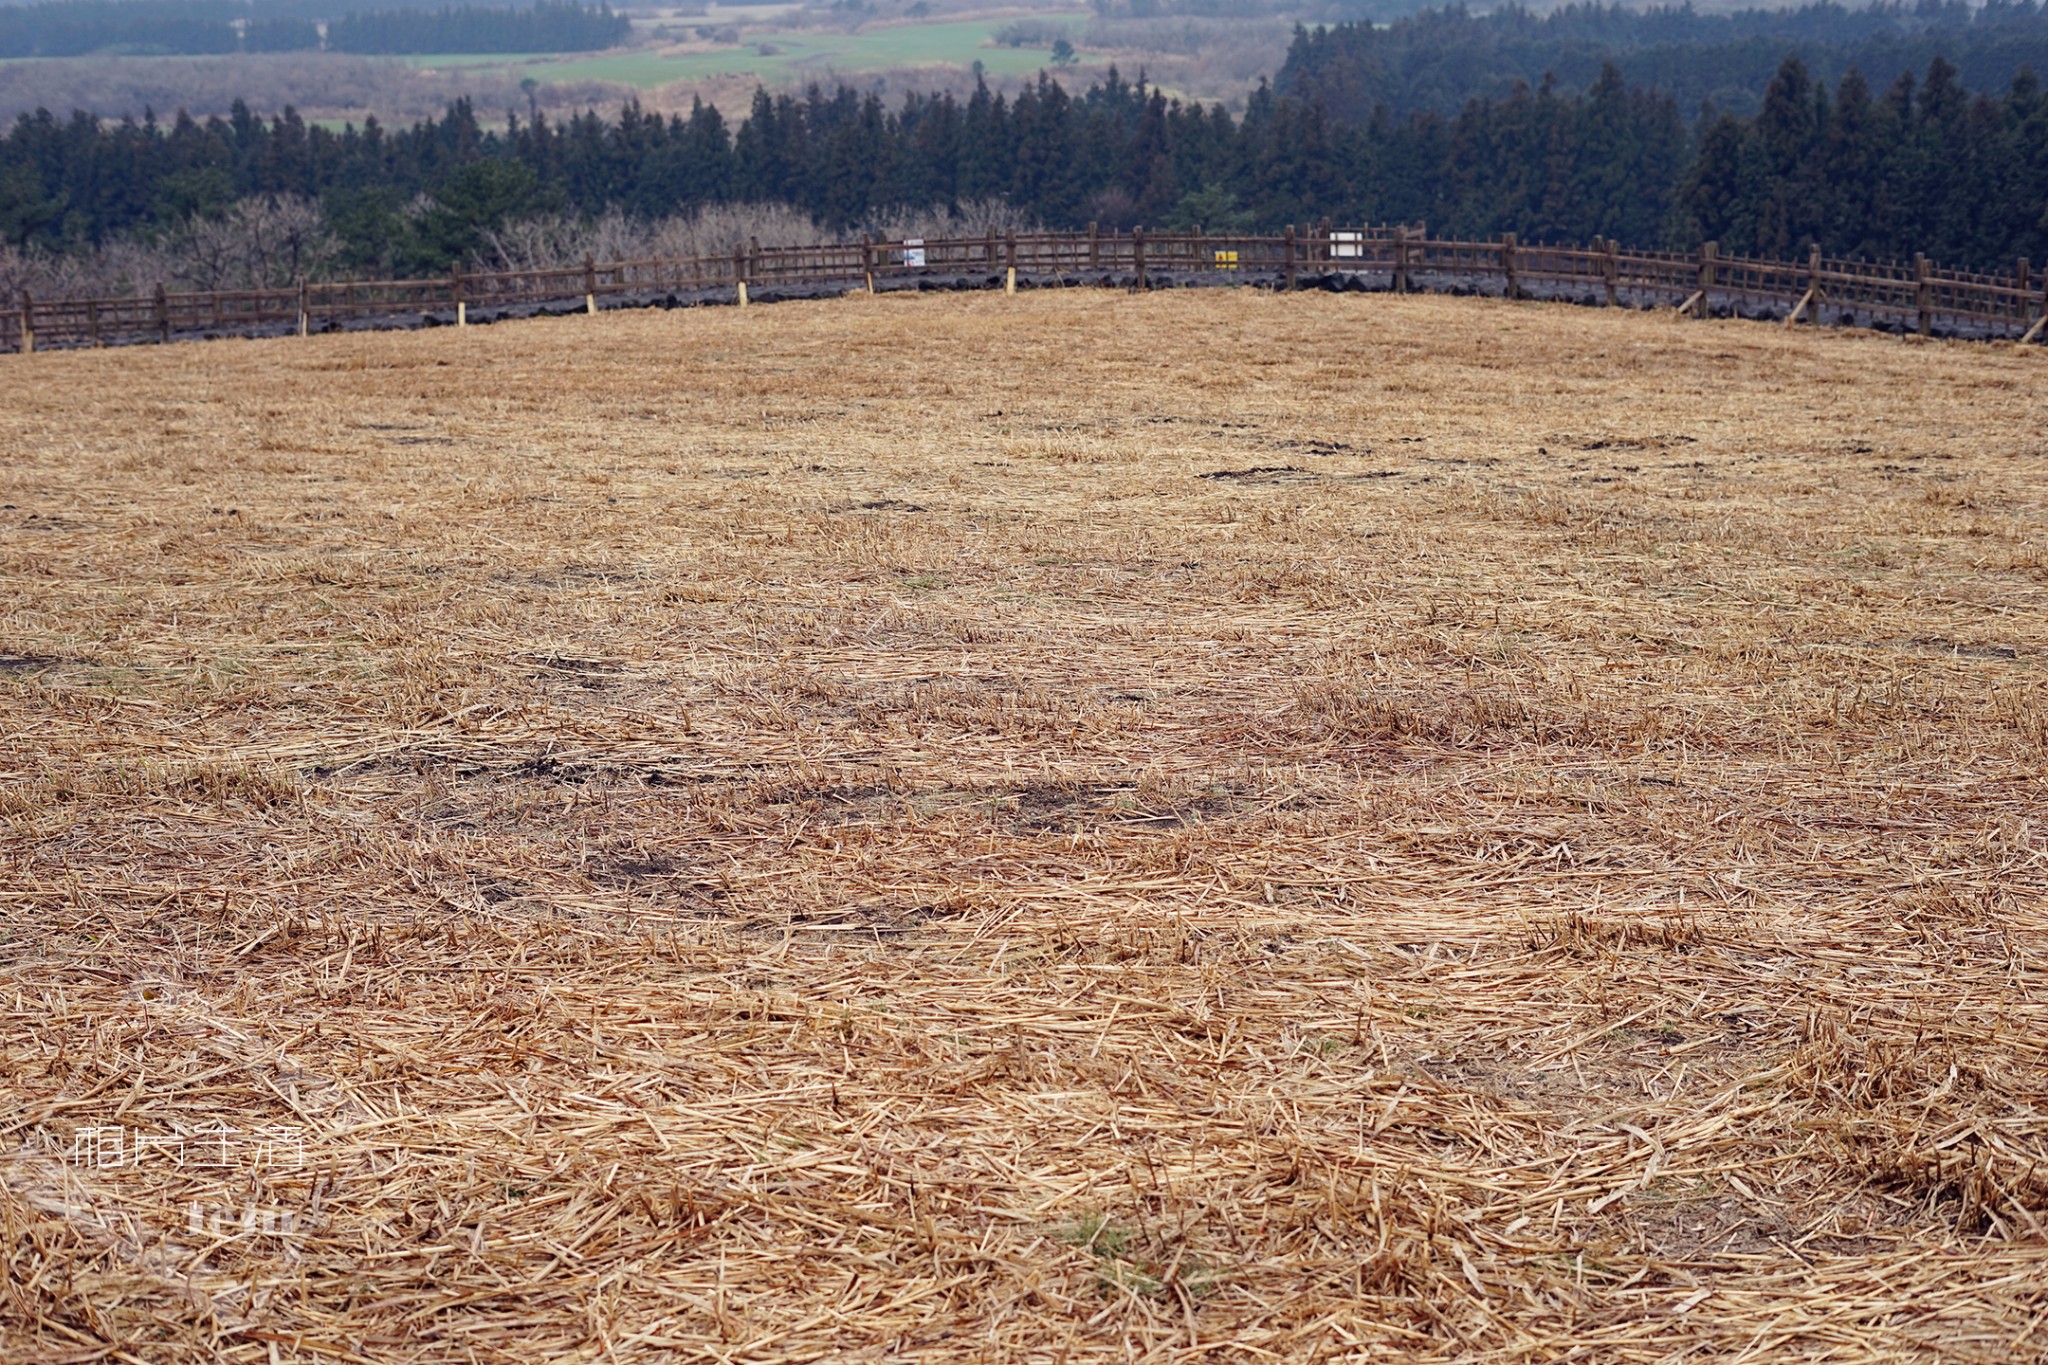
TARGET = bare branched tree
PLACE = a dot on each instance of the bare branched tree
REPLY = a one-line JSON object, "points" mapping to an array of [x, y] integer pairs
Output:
{"points": [[549, 242], [975, 218], [265, 242], [203, 253], [23, 271], [721, 229], [556, 241], [287, 239], [117, 269], [272, 241]]}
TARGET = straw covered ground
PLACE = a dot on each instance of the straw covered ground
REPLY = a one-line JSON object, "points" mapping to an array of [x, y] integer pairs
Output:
{"points": [[1061, 828]]}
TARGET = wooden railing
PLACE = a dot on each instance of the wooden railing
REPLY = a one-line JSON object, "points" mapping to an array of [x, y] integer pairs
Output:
{"points": [[1912, 295]]}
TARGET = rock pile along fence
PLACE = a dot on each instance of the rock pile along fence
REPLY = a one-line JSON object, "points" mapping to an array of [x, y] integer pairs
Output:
{"points": [[1914, 296]]}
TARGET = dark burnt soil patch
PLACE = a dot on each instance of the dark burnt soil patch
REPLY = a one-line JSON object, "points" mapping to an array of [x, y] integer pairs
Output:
{"points": [[1031, 808], [866, 919], [659, 879], [1052, 808], [1260, 473], [1943, 645]]}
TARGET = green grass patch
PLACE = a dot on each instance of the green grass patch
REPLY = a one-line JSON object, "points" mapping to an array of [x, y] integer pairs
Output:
{"points": [[775, 56], [429, 60]]}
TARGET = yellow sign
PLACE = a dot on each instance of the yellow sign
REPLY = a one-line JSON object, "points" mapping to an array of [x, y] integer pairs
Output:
{"points": [[1226, 260]]}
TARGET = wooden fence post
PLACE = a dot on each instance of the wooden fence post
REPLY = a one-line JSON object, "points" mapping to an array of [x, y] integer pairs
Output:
{"points": [[1701, 303], [1400, 260], [1138, 254], [739, 274], [28, 324], [163, 314], [2021, 277], [1611, 270], [1288, 260], [1322, 248], [92, 321], [589, 283], [1094, 247], [1923, 293], [305, 307], [1507, 264], [455, 293], [867, 260], [1813, 294]]}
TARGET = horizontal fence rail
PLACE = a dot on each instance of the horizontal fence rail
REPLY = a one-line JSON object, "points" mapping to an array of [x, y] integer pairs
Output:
{"points": [[1915, 295]]}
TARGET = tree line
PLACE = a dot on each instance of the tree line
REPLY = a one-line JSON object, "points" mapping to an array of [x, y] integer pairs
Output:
{"points": [[73, 28], [1438, 59], [546, 26], [1924, 166], [77, 28]]}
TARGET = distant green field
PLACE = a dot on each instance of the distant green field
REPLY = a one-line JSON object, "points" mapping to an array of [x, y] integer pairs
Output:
{"points": [[789, 55], [470, 58], [714, 14], [434, 59]]}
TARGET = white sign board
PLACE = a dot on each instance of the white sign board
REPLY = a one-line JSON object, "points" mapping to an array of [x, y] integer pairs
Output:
{"points": [[1347, 246], [913, 251]]}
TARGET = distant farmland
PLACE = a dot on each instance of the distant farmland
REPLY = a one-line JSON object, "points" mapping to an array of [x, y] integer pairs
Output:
{"points": [[788, 54], [336, 89], [1070, 827]]}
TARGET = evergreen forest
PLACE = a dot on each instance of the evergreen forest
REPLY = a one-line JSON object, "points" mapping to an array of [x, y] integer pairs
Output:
{"points": [[77, 28]]}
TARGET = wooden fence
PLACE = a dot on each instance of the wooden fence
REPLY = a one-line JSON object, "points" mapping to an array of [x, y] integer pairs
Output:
{"points": [[1912, 295]]}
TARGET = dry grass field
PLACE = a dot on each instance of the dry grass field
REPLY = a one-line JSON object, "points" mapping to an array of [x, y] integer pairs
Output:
{"points": [[1064, 828]]}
